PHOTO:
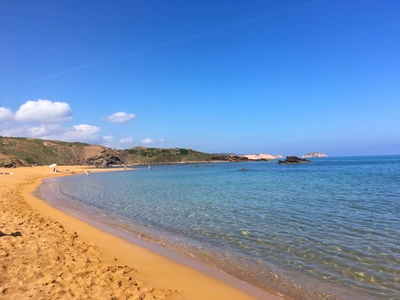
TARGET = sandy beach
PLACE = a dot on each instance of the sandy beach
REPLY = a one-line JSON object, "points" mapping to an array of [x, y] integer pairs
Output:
{"points": [[46, 254]]}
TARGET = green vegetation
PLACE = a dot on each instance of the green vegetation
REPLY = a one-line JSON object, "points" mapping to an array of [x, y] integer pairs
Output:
{"points": [[157, 152], [30, 160], [29, 151], [133, 151], [183, 151]]}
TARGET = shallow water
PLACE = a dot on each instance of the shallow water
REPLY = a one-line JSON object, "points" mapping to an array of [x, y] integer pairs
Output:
{"points": [[331, 227]]}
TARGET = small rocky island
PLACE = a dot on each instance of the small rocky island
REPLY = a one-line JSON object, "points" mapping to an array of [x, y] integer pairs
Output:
{"points": [[314, 154], [293, 160]]}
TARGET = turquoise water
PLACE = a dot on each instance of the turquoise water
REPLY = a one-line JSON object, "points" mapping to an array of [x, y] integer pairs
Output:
{"points": [[329, 229]]}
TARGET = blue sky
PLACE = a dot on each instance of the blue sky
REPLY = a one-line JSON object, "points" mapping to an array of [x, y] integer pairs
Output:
{"points": [[279, 77]]}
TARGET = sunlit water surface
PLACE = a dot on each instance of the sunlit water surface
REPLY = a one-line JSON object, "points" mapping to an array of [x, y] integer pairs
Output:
{"points": [[329, 228]]}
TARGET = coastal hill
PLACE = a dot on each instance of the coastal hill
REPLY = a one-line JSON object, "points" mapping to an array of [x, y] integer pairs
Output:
{"points": [[19, 151], [16, 152], [314, 154]]}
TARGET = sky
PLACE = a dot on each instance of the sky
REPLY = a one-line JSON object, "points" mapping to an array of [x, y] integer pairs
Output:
{"points": [[278, 77]]}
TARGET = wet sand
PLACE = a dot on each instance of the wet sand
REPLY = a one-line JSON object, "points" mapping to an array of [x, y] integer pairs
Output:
{"points": [[47, 254]]}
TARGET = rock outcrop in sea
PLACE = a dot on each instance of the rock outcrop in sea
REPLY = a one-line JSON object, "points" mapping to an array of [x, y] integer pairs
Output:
{"points": [[314, 154], [293, 160]]}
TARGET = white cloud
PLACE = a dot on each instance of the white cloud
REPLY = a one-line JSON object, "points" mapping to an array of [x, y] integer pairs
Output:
{"points": [[127, 140], [79, 133], [6, 114], [108, 138], [44, 111], [48, 116], [162, 140], [82, 133], [13, 130], [120, 117], [147, 141], [40, 131], [85, 128], [44, 131]]}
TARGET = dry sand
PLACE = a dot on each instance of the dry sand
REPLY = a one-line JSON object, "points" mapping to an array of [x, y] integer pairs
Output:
{"points": [[46, 254]]}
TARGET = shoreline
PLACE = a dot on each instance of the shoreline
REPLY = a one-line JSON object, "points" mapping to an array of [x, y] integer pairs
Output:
{"points": [[155, 275]]}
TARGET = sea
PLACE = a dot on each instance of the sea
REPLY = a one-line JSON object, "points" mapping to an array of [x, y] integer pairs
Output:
{"points": [[329, 229]]}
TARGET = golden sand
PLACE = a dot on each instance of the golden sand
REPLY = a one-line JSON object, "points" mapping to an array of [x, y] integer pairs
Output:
{"points": [[46, 254]]}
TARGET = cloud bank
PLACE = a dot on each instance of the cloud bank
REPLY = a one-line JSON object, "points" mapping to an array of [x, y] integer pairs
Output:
{"points": [[45, 119], [42, 119]]}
